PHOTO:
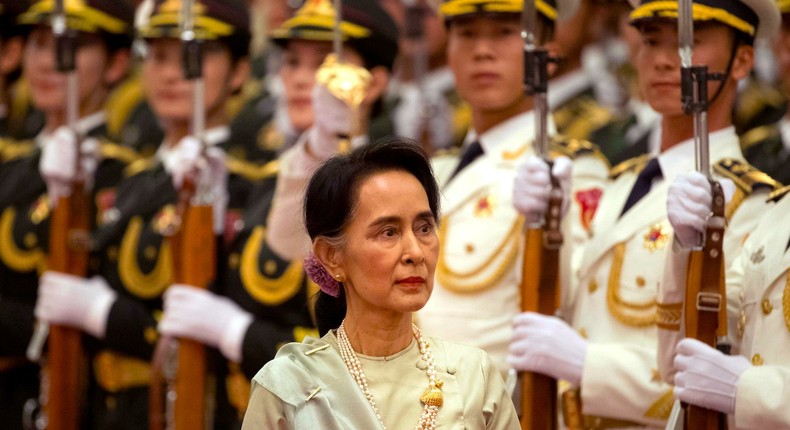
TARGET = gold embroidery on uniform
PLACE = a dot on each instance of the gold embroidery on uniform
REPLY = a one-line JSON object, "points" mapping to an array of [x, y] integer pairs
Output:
{"points": [[266, 289], [656, 238], [17, 259], [668, 316], [300, 333], [143, 285], [458, 281], [786, 301], [41, 210], [662, 407], [238, 387], [514, 154], [631, 314]]}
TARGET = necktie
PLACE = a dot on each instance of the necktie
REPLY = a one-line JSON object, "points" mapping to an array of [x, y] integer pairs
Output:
{"points": [[471, 153], [643, 183]]}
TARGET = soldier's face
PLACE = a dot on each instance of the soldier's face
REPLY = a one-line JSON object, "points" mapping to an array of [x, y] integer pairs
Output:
{"points": [[487, 59], [170, 95], [48, 86], [301, 60], [658, 62], [391, 247]]}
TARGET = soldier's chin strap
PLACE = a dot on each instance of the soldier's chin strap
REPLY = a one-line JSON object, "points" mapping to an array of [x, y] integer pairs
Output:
{"points": [[723, 77]]}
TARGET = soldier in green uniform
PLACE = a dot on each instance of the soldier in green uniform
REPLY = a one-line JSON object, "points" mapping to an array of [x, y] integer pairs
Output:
{"points": [[11, 45], [269, 292], [132, 257], [767, 146], [35, 172]]}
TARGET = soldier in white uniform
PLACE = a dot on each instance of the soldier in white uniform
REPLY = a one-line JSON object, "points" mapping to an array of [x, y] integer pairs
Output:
{"points": [[608, 348], [476, 292], [753, 384]]}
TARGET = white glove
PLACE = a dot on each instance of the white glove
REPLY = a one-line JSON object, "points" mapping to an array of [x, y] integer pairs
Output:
{"points": [[706, 377], [58, 164], [210, 319], [182, 161], [689, 205], [74, 301], [547, 345], [531, 186], [332, 118]]}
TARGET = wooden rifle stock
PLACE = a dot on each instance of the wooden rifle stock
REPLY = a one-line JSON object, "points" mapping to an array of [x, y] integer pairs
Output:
{"points": [[540, 293], [65, 373], [194, 256], [705, 313]]}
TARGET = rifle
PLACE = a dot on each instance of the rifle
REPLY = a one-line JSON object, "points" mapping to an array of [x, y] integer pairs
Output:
{"points": [[540, 268], [704, 313], [346, 81], [63, 372], [186, 405]]}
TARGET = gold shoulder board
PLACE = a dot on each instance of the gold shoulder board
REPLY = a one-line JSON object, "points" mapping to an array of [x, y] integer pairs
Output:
{"points": [[11, 150], [118, 152], [139, 166], [759, 134], [574, 148], [778, 194], [745, 176], [251, 171]]}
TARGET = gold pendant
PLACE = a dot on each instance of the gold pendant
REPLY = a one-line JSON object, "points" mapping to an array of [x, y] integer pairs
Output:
{"points": [[433, 395]]}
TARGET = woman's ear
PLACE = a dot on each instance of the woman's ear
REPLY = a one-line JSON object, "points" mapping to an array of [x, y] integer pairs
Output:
{"points": [[328, 256], [743, 62]]}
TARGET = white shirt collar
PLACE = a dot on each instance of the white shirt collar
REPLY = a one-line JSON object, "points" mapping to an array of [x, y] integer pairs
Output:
{"points": [[679, 159]]}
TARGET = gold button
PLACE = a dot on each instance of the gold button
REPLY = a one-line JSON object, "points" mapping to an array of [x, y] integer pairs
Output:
{"points": [[757, 360], [110, 402], [269, 267], [583, 333], [30, 240], [151, 335], [767, 307], [112, 253], [741, 324], [592, 286], [233, 261], [640, 281], [470, 248], [149, 253]]}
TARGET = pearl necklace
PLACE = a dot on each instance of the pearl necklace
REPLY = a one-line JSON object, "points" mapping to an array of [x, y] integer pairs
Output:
{"points": [[431, 398]]}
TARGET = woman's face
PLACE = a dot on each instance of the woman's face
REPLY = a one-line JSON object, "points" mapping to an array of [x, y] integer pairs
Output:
{"points": [[47, 85], [301, 61], [170, 95], [389, 256]]}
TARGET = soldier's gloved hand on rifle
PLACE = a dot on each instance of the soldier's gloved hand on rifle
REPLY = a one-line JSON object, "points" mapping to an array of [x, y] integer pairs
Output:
{"points": [[547, 345], [206, 169], [333, 118], [75, 302], [706, 377], [531, 186], [689, 205], [203, 316], [58, 163]]}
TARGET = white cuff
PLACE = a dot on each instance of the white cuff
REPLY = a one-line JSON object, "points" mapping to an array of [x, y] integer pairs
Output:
{"points": [[99, 310], [233, 339]]}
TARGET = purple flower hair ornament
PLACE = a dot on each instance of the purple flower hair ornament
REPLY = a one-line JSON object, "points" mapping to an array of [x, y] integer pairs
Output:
{"points": [[318, 274]]}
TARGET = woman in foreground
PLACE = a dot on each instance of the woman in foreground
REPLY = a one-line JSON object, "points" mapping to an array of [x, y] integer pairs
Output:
{"points": [[372, 215]]}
